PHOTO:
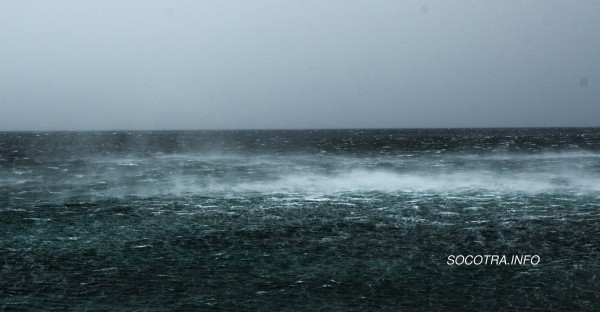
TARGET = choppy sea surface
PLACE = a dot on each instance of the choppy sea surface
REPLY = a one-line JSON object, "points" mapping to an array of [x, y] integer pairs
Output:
{"points": [[331, 220]]}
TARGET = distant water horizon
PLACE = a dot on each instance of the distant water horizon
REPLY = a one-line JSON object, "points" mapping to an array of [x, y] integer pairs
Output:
{"points": [[294, 129], [320, 219]]}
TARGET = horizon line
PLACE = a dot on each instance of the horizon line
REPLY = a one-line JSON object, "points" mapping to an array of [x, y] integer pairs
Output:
{"points": [[293, 129]]}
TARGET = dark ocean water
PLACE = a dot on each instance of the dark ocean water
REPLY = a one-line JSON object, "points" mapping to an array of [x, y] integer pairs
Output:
{"points": [[346, 220]]}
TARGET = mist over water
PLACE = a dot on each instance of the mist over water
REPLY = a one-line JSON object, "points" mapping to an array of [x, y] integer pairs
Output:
{"points": [[93, 165], [355, 218]]}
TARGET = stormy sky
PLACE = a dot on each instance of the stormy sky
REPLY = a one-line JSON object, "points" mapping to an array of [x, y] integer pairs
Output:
{"points": [[149, 64]]}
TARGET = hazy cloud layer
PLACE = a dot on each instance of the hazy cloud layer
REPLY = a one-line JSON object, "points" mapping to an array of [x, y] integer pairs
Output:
{"points": [[73, 64]]}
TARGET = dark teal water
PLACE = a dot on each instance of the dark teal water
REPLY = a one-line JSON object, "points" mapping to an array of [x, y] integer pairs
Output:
{"points": [[299, 220]]}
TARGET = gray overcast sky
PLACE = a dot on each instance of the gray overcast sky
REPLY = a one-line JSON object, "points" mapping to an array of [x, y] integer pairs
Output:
{"points": [[73, 64]]}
